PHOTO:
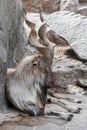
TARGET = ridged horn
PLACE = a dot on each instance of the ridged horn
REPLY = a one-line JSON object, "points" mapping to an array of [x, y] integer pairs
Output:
{"points": [[42, 35], [44, 50]]}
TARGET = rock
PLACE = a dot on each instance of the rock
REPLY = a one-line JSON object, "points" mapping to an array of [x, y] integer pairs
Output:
{"points": [[12, 39], [67, 71], [47, 5], [83, 1], [74, 89], [82, 10], [17, 46], [16, 127], [72, 27], [52, 5], [48, 126], [71, 5], [3, 50], [11, 117], [78, 122], [82, 83], [25, 127]]}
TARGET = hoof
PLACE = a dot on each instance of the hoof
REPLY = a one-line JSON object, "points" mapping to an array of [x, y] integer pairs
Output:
{"points": [[79, 101], [74, 100], [74, 109], [67, 116]]}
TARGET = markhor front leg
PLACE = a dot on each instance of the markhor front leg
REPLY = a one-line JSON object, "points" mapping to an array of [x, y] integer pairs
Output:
{"points": [[67, 107], [74, 100], [65, 116]]}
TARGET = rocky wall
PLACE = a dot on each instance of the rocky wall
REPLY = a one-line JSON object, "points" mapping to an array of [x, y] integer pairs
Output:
{"points": [[12, 39]]}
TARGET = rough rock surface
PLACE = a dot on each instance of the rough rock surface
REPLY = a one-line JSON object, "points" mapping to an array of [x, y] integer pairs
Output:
{"points": [[51, 5], [83, 1], [12, 31], [10, 116], [72, 27], [83, 10], [3, 50], [12, 39], [67, 69], [47, 5], [71, 5]]}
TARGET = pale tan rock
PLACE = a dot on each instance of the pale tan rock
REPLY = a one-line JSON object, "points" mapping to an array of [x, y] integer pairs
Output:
{"points": [[47, 5]]}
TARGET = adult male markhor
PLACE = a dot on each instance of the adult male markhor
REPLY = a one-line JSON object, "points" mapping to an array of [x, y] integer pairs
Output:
{"points": [[27, 84]]}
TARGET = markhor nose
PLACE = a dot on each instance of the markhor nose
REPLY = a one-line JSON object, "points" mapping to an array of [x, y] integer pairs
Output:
{"points": [[35, 63]]}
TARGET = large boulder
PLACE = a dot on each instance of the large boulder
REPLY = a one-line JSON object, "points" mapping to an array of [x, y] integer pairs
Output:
{"points": [[68, 71], [67, 68], [12, 39], [72, 27], [17, 38]]}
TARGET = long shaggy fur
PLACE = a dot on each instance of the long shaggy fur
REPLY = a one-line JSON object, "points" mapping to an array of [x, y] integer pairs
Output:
{"points": [[26, 87]]}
